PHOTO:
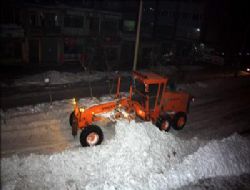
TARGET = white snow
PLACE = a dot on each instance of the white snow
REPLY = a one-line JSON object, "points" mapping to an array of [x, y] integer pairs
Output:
{"points": [[56, 77], [139, 157]]}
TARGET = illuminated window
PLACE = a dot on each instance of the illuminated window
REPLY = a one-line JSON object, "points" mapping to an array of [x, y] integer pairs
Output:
{"points": [[129, 25]]}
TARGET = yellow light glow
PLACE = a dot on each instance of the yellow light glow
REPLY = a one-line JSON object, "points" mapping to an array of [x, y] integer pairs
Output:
{"points": [[93, 112], [125, 114], [141, 113], [82, 109], [74, 101]]}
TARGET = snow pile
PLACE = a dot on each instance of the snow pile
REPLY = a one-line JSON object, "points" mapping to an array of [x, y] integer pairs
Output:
{"points": [[228, 157], [139, 157], [56, 77], [59, 78]]}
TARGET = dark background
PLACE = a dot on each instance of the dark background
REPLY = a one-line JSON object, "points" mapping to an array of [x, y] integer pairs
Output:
{"points": [[41, 35]]}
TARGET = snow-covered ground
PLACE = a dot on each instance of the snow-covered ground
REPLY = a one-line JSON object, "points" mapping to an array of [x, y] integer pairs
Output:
{"points": [[139, 157], [56, 77], [38, 151], [186, 72]]}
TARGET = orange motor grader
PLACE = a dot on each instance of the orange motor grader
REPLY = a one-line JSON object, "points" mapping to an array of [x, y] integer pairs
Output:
{"points": [[149, 99]]}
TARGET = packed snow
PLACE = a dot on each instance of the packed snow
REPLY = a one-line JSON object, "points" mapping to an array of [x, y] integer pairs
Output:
{"points": [[138, 157], [38, 151], [56, 77]]}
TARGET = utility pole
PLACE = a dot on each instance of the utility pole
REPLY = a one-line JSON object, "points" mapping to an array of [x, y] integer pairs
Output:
{"points": [[137, 36]]}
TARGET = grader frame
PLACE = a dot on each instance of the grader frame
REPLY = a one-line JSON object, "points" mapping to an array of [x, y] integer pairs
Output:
{"points": [[153, 102]]}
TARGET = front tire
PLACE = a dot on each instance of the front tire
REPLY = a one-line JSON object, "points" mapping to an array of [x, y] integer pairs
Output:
{"points": [[91, 135], [179, 120], [164, 123]]}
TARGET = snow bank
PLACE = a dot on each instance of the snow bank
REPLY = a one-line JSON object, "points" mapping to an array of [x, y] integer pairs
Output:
{"points": [[139, 157], [228, 157], [56, 77], [59, 78]]}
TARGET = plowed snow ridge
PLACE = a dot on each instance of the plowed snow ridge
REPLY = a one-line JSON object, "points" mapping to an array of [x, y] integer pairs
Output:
{"points": [[139, 157]]}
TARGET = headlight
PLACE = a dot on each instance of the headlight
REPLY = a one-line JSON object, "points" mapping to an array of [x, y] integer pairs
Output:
{"points": [[74, 101], [248, 69], [141, 113], [125, 114]]}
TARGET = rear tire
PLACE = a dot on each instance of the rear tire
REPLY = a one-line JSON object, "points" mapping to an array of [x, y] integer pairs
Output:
{"points": [[91, 135], [179, 120], [164, 123]]}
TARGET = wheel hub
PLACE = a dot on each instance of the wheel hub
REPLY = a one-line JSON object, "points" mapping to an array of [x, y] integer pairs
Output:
{"points": [[181, 121], [92, 138], [165, 125]]}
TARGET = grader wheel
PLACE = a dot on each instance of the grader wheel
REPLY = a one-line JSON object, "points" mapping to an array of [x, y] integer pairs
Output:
{"points": [[164, 123], [179, 120], [91, 135]]}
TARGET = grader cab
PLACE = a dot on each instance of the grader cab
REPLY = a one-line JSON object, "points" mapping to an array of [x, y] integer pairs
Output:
{"points": [[149, 100]]}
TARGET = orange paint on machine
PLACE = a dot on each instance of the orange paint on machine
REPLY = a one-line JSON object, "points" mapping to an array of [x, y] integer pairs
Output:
{"points": [[149, 99]]}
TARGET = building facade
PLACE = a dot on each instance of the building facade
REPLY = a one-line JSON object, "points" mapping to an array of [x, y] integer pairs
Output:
{"points": [[97, 33], [35, 33]]}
